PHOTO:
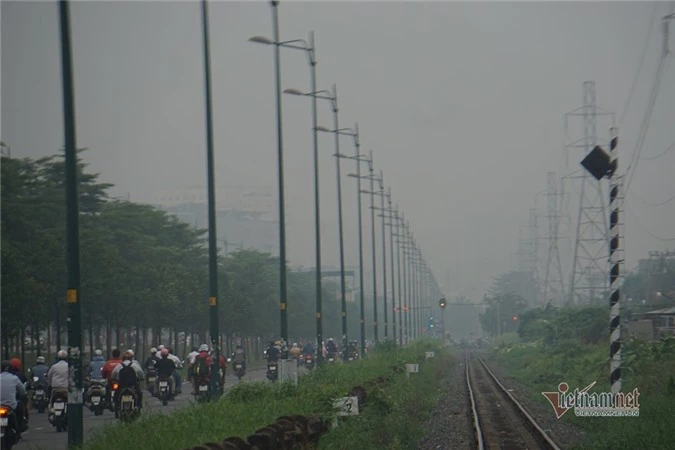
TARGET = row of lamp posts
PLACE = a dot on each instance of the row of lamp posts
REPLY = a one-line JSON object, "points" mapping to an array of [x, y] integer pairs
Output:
{"points": [[413, 286]]}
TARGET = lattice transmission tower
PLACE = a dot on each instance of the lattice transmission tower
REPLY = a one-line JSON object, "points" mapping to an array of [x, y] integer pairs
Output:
{"points": [[590, 267], [554, 286]]}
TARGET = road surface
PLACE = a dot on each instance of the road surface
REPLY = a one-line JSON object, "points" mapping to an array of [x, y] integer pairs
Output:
{"points": [[42, 435]]}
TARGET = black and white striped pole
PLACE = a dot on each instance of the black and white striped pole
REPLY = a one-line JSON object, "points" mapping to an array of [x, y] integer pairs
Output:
{"points": [[600, 165], [615, 270]]}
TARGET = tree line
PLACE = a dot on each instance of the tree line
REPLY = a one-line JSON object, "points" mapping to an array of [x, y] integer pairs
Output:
{"points": [[144, 273]]}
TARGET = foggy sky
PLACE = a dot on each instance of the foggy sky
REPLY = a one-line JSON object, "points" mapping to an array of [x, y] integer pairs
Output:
{"points": [[462, 104]]}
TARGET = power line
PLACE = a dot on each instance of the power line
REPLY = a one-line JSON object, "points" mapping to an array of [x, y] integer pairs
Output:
{"points": [[630, 171], [652, 21], [650, 158], [665, 202]]}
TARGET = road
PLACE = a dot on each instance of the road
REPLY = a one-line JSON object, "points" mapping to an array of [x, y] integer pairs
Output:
{"points": [[41, 435]]}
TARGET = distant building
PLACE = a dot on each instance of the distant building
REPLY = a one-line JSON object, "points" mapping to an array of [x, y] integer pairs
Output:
{"points": [[246, 217]]}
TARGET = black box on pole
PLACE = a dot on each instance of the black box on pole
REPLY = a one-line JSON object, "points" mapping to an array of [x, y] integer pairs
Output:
{"points": [[597, 163]]}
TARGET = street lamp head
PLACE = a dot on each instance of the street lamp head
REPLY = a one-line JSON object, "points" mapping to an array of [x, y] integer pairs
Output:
{"points": [[261, 40], [324, 129], [293, 91]]}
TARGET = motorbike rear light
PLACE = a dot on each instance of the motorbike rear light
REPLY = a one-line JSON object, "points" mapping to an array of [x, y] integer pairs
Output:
{"points": [[4, 411], [115, 386]]}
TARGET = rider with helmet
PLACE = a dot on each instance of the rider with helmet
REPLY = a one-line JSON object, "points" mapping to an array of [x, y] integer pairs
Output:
{"points": [[128, 374], [165, 368], [11, 389], [95, 366], [294, 352], [39, 370], [58, 376]]}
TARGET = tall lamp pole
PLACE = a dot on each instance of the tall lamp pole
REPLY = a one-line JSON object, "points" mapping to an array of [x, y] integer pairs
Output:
{"points": [[310, 50], [372, 177], [75, 390], [216, 389], [358, 158]]}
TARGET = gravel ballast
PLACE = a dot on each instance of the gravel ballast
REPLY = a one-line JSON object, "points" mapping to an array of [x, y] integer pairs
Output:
{"points": [[449, 426]]}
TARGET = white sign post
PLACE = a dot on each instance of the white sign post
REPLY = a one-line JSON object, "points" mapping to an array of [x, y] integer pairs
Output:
{"points": [[347, 406], [411, 368]]}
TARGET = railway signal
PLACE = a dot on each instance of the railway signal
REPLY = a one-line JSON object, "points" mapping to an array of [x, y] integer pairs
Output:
{"points": [[442, 303]]}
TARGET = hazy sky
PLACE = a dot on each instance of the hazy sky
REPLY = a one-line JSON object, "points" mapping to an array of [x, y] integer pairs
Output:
{"points": [[461, 102]]}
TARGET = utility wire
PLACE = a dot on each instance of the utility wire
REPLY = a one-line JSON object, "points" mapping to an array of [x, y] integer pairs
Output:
{"points": [[630, 170], [637, 221], [652, 21], [650, 158]]}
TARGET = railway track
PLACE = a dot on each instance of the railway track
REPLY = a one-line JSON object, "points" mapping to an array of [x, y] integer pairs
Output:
{"points": [[499, 420]]}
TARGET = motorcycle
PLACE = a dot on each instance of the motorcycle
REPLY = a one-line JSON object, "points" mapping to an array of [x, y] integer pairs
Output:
{"points": [[152, 378], [309, 362], [164, 393], [239, 370], [272, 372], [96, 396], [202, 394], [111, 396], [9, 432], [39, 399], [331, 358], [129, 408], [58, 408]]}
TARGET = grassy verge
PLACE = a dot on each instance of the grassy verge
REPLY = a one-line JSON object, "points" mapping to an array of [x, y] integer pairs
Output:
{"points": [[649, 367], [393, 416]]}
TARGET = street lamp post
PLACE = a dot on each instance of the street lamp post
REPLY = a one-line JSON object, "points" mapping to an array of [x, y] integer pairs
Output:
{"points": [[372, 177], [216, 388], [358, 158], [310, 49], [280, 163], [75, 407]]}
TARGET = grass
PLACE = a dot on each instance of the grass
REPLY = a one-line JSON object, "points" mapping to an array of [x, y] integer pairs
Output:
{"points": [[393, 416], [649, 367]]}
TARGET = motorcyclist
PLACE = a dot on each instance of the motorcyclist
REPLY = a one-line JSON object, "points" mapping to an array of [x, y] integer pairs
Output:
{"points": [[284, 349], [274, 351], [191, 360], [239, 356], [308, 349], [16, 369], [95, 366], [176, 375], [165, 369], [331, 348], [39, 370], [151, 360], [108, 367], [294, 352], [128, 374], [11, 390], [58, 377], [201, 367]]}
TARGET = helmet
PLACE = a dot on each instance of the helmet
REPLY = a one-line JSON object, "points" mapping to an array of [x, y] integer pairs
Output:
{"points": [[160, 348], [295, 344], [98, 353], [128, 355], [40, 360], [15, 363], [277, 342], [130, 352], [153, 350], [62, 354], [330, 339], [165, 352], [203, 348]]}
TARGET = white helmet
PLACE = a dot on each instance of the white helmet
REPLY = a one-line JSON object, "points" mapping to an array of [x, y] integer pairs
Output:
{"points": [[203, 348], [153, 350], [40, 360], [62, 354], [160, 348], [130, 352], [98, 353]]}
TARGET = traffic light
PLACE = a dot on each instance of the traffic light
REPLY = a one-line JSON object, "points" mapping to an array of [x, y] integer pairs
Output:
{"points": [[442, 303], [431, 322]]}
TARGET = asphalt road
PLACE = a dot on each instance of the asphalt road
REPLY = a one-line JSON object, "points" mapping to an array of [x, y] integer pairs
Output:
{"points": [[42, 435]]}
